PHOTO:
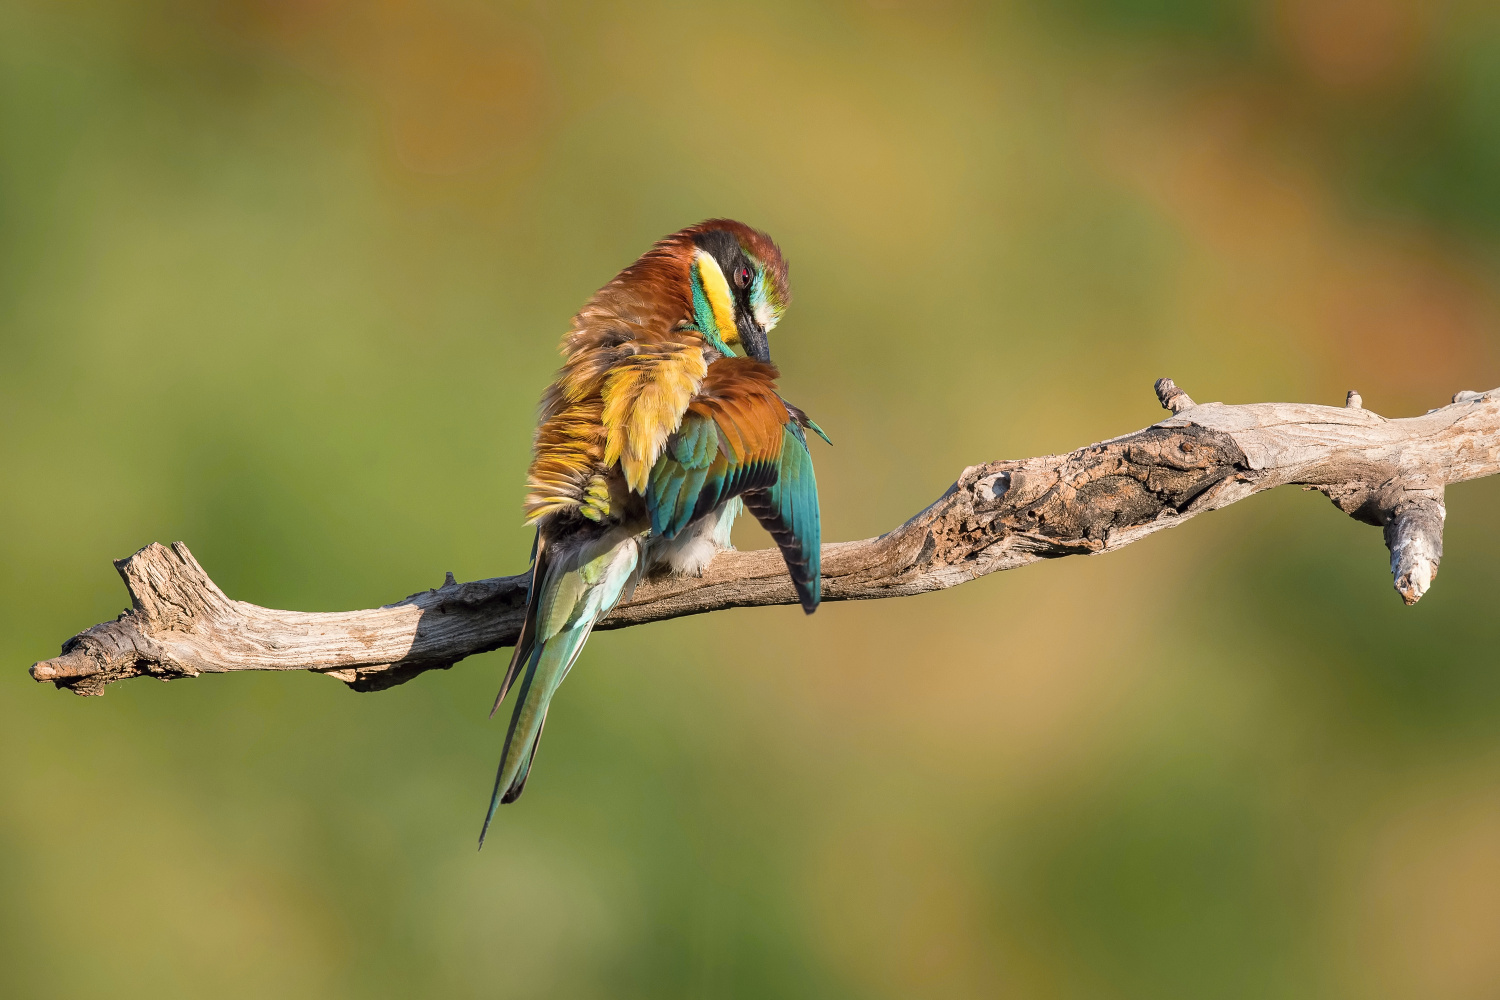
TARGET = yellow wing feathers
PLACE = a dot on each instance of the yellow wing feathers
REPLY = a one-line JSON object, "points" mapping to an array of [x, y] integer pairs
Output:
{"points": [[612, 403], [645, 397]]}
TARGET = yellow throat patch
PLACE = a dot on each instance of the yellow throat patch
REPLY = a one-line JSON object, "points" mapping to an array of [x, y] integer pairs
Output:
{"points": [[716, 288]]}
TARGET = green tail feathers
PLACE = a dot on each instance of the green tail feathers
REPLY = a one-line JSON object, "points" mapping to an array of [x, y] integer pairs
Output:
{"points": [[548, 665], [571, 590]]}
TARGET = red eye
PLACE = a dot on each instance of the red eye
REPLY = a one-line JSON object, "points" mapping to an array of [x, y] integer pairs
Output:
{"points": [[742, 277]]}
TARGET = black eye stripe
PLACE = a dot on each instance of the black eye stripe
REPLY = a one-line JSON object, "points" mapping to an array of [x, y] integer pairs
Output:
{"points": [[724, 248], [731, 258]]}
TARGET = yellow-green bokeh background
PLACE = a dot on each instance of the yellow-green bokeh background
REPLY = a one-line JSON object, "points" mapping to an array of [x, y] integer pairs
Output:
{"points": [[284, 280]]}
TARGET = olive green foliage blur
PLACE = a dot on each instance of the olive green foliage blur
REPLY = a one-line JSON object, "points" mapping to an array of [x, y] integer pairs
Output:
{"points": [[284, 280]]}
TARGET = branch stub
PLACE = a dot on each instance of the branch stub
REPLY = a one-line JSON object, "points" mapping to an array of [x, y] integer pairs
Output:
{"points": [[1173, 398]]}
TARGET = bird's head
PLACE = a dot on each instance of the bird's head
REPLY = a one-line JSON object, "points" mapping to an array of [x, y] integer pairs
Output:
{"points": [[740, 288]]}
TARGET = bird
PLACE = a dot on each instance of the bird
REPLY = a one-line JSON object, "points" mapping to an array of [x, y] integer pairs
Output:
{"points": [[663, 424]]}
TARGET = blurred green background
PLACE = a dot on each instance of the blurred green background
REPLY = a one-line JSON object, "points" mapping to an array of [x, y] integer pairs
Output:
{"points": [[285, 279]]}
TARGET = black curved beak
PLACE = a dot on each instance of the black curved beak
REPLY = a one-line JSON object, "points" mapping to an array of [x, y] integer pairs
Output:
{"points": [[757, 344]]}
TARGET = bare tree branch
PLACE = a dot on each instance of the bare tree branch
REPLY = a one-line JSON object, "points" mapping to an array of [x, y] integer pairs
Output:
{"points": [[998, 516]]}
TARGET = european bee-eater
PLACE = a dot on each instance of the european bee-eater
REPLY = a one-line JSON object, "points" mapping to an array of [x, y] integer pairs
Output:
{"points": [[663, 424]]}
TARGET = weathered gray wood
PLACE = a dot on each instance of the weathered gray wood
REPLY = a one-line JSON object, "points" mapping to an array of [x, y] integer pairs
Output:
{"points": [[997, 516], [1415, 537]]}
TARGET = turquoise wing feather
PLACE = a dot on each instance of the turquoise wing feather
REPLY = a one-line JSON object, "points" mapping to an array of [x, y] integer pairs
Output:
{"points": [[789, 511], [700, 469]]}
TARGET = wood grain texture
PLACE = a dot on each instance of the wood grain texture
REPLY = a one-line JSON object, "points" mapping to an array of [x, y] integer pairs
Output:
{"points": [[997, 516]]}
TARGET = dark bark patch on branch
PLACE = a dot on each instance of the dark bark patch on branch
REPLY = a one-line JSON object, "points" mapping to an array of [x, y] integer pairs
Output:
{"points": [[1125, 483]]}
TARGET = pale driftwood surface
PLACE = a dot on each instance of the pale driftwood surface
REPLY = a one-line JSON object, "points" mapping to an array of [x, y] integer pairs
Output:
{"points": [[997, 516]]}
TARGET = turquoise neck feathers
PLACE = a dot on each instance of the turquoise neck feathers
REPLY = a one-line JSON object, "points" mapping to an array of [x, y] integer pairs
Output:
{"points": [[703, 317]]}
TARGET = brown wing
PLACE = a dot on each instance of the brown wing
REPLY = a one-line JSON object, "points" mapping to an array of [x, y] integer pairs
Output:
{"points": [[730, 441]]}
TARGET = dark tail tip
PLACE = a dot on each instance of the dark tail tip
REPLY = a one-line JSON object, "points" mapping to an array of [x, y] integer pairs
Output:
{"points": [[809, 594]]}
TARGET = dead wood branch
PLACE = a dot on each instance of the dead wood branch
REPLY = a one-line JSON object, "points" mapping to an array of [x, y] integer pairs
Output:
{"points": [[998, 516]]}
